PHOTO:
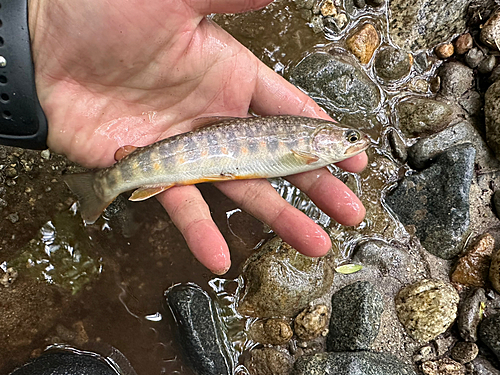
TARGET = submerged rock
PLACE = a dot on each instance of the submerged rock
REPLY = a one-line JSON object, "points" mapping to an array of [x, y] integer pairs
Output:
{"points": [[335, 81], [489, 333], [443, 366], [364, 42], [311, 323], [419, 116], [421, 24], [392, 64], [355, 319], [280, 282], [492, 117], [398, 146], [464, 352], [427, 308], [351, 363], [271, 332], [424, 200], [463, 44], [472, 269], [268, 361], [470, 314], [199, 330]]}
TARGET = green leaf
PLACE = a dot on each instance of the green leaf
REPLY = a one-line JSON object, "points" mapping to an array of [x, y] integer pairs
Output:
{"points": [[346, 269]]}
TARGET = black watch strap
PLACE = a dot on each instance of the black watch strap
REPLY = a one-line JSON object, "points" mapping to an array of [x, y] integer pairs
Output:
{"points": [[22, 121]]}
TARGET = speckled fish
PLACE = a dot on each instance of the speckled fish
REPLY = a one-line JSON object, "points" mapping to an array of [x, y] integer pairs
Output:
{"points": [[219, 149]]}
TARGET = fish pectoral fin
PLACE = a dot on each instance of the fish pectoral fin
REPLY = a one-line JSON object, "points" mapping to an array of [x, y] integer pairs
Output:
{"points": [[307, 157], [144, 193], [211, 120]]}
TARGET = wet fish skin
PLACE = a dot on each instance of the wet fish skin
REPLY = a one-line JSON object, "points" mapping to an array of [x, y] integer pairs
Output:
{"points": [[230, 148]]}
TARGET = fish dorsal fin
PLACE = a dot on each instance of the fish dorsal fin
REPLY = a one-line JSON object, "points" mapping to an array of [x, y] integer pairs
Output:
{"points": [[305, 156], [146, 192], [201, 122]]}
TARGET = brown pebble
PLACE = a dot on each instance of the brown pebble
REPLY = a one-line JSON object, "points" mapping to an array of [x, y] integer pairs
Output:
{"points": [[464, 352], [443, 51], [463, 44], [364, 42], [495, 271], [328, 9], [443, 366]]}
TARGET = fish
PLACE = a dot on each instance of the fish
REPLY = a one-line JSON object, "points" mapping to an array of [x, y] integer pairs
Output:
{"points": [[218, 149]]}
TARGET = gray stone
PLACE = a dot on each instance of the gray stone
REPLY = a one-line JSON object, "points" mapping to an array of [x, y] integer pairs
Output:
{"points": [[474, 57], [427, 308], [484, 367], [469, 314], [436, 201], [389, 259], [464, 352], [426, 150], [490, 32], [456, 79], [355, 319], [422, 24], [280, 282], [489, 333], [398, 146], [496, 202], [333, 81], [419, 116], [487, 65], [392, 64], [268, 361], [199, 330], [351, 363], [492, 117]]}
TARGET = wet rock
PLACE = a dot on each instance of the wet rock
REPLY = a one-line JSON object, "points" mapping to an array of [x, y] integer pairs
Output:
{"points": [[13, 218], [494, 272], [398, 146], [456, 79], [443, 366], [332, 80], [351, 363], [317, 24], [392, 63], [419, 116], [490, 32], [328, 8], [496, 202], [424, 200], [311, 323], [464, 352], [306, 4], [422, 62], [444, 343], [8, 277], [484, 367], [271, 332], [443, 51], [359, 4], [389, 259], [489, 333], [425, 353], [487, 65], [268, 361], [62, 363], [11, 172], [376, 3], [199, 331], [422, 24], [355, 319], [463, 44], [474, 57], [495, 74], [422, 153], [427, 308], [364, 42], [280, 282], [336, 24], [472, 269], [419, 85], [472, 102], [470, 314], [492, 117]]}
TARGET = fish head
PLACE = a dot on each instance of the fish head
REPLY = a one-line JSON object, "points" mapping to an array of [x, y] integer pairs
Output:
{"points": [[336, 143]]}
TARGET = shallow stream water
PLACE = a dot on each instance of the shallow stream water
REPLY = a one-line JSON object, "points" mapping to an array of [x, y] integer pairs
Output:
{"points": [[114, 273]]}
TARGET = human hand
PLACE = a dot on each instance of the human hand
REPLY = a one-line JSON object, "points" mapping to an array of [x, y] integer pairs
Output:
{"points": [[128, 72]]}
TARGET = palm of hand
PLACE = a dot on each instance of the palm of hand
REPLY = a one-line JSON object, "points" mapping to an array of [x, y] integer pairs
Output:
{"points": [[118, 73]]}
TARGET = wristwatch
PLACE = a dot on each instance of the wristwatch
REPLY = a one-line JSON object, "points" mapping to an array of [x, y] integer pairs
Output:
{"points": [[22, 121]]}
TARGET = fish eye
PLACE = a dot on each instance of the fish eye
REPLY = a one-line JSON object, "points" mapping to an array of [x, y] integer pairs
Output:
{"points": [[353, 136]]}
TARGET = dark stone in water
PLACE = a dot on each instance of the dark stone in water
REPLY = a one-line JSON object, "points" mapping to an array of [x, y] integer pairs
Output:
{"points": [[351, 363], [436, 201], [66, 363], [332, 80], [489, 333], [199, 330], [456, 79], [469, 314], [392, 64], [355, 319]]}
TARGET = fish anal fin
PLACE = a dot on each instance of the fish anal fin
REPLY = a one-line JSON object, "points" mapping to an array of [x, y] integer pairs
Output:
{"points": [[146, 192], [305, 156], [214, 178], [201, 122]]}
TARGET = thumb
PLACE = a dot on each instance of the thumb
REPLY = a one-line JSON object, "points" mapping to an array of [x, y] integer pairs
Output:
{"points": [[205, 7]]}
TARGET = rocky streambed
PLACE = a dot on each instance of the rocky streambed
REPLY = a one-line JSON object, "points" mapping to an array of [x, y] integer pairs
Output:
{"points": [[414, 289]]}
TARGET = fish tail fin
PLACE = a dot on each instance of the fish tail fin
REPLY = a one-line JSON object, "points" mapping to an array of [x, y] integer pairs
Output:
{"points": [[91, 205]]}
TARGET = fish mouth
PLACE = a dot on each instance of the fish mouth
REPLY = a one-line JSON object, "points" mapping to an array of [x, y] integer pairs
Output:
{"points": [[356, 149]]}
